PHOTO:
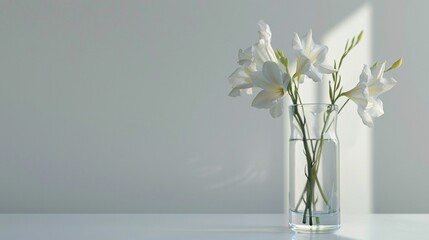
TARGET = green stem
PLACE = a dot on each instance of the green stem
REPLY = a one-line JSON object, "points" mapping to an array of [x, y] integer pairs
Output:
{"points": [[312, 167], [309, 169], [305, 123], [343, 105], [322, 194], [305, 190]]}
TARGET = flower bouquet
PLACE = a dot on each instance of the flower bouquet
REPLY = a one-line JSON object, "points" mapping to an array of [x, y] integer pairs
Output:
{"points": [[314, 151]]}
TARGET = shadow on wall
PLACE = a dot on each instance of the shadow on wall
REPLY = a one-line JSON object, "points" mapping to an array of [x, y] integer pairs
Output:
{"points": [[400, 158], [255, 172]]}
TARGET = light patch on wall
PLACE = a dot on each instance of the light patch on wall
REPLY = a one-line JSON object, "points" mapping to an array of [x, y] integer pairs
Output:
{"points": [[355, 138]]}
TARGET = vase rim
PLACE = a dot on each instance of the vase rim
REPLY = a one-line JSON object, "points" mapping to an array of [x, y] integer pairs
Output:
{"points": [[314, 104]]}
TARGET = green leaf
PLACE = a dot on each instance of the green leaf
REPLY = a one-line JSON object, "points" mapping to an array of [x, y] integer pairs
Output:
{"points": [[338, 82], [294, 76], [285, 63], [395, 65], [279, 54], [360, 36], [352, 44]]}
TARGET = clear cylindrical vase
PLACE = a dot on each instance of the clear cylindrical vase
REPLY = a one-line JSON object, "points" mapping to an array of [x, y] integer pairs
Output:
{"points": [[314, 197]]}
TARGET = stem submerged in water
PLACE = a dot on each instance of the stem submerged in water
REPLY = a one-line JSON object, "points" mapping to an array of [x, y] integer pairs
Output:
{"points": [[313, 156]]}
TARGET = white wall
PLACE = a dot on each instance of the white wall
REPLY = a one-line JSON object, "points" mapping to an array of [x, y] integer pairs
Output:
{"points": [[121, 106]]}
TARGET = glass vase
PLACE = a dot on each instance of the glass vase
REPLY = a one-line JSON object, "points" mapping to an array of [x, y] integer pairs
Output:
{"points": [[314, 198]]}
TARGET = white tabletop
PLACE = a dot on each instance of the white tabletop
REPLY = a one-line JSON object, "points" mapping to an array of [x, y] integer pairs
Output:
{"points": [[202, 226]]}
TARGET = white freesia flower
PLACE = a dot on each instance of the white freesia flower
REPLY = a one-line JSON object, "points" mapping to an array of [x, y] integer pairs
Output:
{"points": [[262, 50], [240, 79], [252, 59], [274, 84], [241, 82], [366, 93], [310, 57]]}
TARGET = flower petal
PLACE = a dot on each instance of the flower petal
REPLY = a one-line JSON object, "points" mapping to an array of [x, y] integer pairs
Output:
{"points": [[259, 80], [389, 83], [381, 86], [302, 65], [378, 70], [326, 69], [296, 43], [247, 91], [375, 107], [263, 52], [265, 99], [245, 56], [308, 42], [318, 53], [235, 92], [286, 81], [272, 72], [239, 76], [366, 118], [244, 86], [314, 74], [359, 95], [264, 32], [241, 89], [277, 109], [365, 75]]}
